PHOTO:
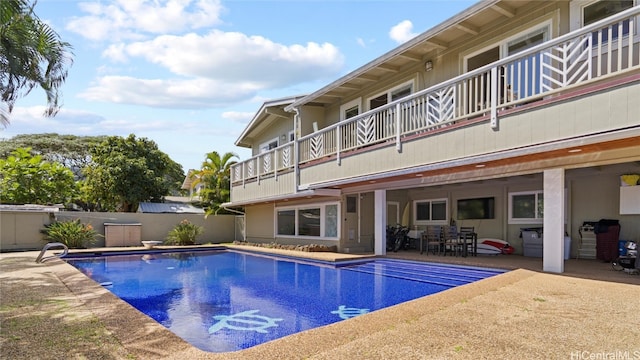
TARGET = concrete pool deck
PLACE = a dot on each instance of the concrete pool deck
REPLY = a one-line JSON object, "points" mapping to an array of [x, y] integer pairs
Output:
{"points": [[52, 311]]}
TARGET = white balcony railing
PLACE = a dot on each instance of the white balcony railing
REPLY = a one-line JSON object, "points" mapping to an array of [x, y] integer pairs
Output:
{"points": [[603, 49], [267, 164]]}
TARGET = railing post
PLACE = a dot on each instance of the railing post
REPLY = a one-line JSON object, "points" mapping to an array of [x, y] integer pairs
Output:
{"points": [[243, 173], [296, 150], [494, 97], [276, 157], [338, 143], [398, 143], [258, 168]]}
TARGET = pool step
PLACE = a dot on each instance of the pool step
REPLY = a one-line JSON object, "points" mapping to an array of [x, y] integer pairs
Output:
{"points": [[441, 274]]}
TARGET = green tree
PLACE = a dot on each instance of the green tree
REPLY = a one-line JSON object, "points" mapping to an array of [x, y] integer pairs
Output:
{"points": [[127, 171], [215, 175], [31, 54], [69, 150], [27, 179]]}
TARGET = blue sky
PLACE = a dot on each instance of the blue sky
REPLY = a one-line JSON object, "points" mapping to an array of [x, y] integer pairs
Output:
{"points": [[190, 74]]}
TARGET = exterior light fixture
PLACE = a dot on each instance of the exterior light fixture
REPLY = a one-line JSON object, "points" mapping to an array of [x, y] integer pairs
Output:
{"points": [[428, 65]]}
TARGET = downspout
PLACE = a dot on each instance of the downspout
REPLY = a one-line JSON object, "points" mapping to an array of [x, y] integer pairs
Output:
{"points": [[296, 157], [233, 211]]}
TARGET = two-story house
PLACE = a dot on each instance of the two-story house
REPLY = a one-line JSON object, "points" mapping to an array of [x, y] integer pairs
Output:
{"points": [[475, 121]]}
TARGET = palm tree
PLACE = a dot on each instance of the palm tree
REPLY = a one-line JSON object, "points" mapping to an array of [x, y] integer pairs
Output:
{"points": [[31, 54], [215, 175]]}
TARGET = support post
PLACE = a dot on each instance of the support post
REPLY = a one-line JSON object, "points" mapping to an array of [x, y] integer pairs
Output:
{"points": [[380, 217], [554, 228]]}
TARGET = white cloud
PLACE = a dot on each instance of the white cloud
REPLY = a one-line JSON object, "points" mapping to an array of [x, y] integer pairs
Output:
{"points": [[232, 56], [238, 117], [172, 93], [85, 123], [402, 32], [67, 121], [361, 42], [132, 19]]}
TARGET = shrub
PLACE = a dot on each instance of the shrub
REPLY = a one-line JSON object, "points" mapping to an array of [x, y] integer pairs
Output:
{"points": [[184, 233], [72, 233]]}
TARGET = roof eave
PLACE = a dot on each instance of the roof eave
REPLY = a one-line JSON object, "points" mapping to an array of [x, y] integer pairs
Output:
{"points": [[425, 36], [257, 117]]}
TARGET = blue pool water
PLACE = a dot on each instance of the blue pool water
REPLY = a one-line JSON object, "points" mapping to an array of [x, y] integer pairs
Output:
{"points": [[225, 300]]}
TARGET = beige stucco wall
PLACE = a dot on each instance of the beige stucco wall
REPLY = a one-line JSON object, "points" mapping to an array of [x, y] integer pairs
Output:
{"points": [[259, 220], [21, 230]]}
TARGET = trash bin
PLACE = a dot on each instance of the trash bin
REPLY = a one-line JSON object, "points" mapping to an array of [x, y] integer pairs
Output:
{"points": [[531, 241], [607, 233]]}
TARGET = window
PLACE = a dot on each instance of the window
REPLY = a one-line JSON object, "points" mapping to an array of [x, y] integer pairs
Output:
{"points": [[350, 109], [392, 95], [269, 145], [586, 12], [526, 207], [318, 221], [603, 9], [351, 112], [432, 211], [286, 222], [309, 222], [480, 208]]}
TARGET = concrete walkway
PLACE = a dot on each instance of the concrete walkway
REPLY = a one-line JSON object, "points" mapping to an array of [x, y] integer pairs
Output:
{"points": [[52, 311]]}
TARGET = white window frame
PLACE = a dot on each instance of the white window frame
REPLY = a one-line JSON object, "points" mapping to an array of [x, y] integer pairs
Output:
{"points": [[539, 195], [322, 206], [389, 92], [265, 146], [430, 221], [503, 45], [350, 105], [576, 16]]}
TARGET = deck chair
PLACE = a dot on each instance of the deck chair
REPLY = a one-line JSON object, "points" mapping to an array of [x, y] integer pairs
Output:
{"points": [[432, 240]]}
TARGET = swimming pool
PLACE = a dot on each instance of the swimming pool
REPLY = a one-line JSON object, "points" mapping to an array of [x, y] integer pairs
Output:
{"points": [[227, 300]]}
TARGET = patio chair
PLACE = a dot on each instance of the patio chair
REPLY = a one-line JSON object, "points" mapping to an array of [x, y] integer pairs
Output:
{"points": [[432, 238], [468, 238], [451, 239]]}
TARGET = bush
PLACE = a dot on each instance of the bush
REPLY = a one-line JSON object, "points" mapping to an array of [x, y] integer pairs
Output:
{"points": [[72, 233], [184, 233]]}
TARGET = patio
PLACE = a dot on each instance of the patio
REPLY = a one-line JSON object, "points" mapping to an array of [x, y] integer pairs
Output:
{"points": [[52, 311]]}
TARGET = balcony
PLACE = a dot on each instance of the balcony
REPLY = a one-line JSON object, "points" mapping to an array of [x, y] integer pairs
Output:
{"points": [[596, 54]]}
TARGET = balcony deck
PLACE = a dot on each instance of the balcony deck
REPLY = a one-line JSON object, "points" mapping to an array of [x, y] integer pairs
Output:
{"points": [[560, 89]]}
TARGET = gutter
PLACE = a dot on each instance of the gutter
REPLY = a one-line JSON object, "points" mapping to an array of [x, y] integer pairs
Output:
{"points": [[231, 210]]}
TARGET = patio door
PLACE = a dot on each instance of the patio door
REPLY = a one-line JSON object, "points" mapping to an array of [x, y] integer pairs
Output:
{"points": [[359, 225], [518, 79], [477, 88], [351, 234]]}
